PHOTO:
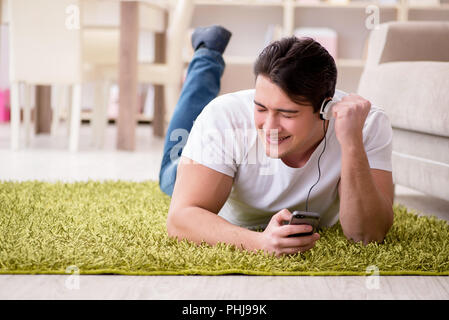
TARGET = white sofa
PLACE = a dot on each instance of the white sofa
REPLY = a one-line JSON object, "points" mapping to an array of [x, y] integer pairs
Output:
{"points": [[407, 74]]}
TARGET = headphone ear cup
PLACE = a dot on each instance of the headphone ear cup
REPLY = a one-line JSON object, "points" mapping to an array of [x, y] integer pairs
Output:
{"points": [[321, 116], [323, 107]]}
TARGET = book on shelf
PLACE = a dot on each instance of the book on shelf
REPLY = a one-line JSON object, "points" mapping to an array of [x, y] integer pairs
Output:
{"points": [[424, 2], [273, 33], [340, 2], [346, 2], [325, 36], [145, 100], [309, 1], [148, 102], [249, 1], [4, 106]]}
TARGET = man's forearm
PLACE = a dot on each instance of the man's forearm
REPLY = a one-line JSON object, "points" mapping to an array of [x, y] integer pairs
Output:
{"points": [[198, 225], [365, 215]]}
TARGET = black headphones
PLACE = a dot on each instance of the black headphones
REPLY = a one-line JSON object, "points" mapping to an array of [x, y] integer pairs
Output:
{"points": [[325, 114]]}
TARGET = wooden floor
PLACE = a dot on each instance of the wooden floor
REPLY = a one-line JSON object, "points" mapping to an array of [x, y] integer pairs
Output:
{"points": [[232, 287], [47, 159]]}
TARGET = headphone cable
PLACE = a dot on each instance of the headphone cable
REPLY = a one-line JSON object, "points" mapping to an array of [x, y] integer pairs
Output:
{"points": [[319, 169]]}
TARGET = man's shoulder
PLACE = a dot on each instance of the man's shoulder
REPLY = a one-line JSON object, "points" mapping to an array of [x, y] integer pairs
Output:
{"points": [[234, 100], [235, 106]]}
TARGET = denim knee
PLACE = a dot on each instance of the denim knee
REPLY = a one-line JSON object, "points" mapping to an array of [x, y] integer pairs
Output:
{"points": [[167, 178]]}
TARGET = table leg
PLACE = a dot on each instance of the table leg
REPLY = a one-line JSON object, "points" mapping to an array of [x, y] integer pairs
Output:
{"points": [[159, 103], [43, 109], [128, 104]]}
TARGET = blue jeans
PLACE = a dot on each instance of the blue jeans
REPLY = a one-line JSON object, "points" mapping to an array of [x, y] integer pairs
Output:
{"points": [[201, 86]]}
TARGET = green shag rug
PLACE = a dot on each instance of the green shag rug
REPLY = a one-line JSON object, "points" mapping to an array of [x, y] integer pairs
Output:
{"points": [[117, 227]]}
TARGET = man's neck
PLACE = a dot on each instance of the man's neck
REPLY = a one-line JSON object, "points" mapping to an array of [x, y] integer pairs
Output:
{"points": [[299, 160]]}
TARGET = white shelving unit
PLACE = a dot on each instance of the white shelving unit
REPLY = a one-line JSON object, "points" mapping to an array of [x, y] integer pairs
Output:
{"points": [[249, 21]]}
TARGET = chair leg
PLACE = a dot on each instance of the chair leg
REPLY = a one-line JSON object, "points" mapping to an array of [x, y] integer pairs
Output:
{"points": [[59, 104], [106, 89], [69, 109], [27, 113], [75, 118], [100, 113], [171, 96], [15, 116], [94, 120]]}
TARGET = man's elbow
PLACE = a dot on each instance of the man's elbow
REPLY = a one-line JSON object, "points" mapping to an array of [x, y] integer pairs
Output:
{"points": [[172, 228], [367, 237], [369, 234]]}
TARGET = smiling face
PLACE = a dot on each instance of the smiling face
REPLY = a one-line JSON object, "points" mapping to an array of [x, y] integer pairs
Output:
{"points": [[294, 129]]}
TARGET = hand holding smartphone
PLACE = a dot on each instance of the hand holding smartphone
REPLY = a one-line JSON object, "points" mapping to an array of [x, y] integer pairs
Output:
{"points": [[303, 217]]}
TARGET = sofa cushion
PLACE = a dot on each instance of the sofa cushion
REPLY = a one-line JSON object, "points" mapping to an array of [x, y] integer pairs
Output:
{"points": [[416, 41], [429, 177], [408, 41], [427, 146], [415, 95]]}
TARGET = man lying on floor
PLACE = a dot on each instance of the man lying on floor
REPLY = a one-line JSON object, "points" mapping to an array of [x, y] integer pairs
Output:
{"points": [[253, 157]]}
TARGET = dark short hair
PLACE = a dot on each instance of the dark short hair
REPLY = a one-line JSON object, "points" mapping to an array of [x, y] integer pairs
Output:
{"points": [[301, 67]]}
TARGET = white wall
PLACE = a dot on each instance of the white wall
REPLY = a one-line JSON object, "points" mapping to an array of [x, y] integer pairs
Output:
{"points": [[4, 57]]}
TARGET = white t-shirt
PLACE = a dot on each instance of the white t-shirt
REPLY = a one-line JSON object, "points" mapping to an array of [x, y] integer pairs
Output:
{"points": [[224, 138]]}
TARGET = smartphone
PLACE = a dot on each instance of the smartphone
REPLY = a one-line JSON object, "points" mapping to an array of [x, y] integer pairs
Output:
{"points": [[303, 217]]}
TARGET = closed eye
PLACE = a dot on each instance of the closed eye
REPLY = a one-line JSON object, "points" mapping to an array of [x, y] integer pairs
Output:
{"points": [[283, 115]]}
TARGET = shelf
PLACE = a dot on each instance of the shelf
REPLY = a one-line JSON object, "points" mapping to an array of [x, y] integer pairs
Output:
{"points": [[87, 116], [248, 60], [350, 63], [444, 6], [350, 5], [269, 3], [280, 3], [239, 60], [319, 5], [301, 14], [231, 60]]}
